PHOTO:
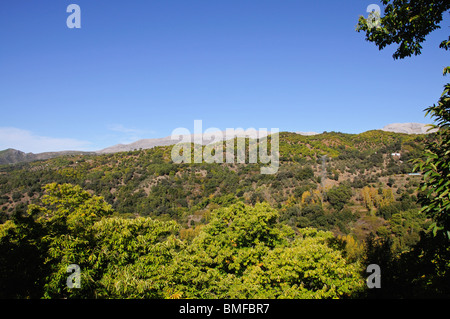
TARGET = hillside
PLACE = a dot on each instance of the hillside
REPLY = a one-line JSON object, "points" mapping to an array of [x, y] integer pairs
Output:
{"points": [[146, 183], [340, 193], [12, 156]]}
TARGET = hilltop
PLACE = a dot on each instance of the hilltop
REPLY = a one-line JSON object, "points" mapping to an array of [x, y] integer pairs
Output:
{"points": [[11, 156], [408, 128]]}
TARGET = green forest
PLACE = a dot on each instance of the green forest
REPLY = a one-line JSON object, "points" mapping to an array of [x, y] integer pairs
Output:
{"points": [[137, 225], [140, 226]]}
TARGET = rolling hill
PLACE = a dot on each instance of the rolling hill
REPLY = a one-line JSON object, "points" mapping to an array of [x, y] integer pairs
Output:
{"points": [[11, 156]]}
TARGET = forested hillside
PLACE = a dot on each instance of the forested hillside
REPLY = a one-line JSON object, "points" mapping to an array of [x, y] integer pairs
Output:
{"points": [[140, 225]]}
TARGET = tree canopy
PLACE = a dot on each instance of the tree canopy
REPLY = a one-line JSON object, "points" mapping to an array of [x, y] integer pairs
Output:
{"points": [[243, 252], [425, 269], [406, 23]]}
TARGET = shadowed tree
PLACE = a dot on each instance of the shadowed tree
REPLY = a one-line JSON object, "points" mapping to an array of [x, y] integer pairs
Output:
{"points": [[407, 23]]}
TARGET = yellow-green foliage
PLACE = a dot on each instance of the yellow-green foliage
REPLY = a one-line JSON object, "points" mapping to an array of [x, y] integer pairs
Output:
{"points": [[354, 249], [373, 199], [242, 253]]}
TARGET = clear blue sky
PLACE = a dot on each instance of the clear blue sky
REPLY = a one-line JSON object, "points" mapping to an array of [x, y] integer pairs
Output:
{"points": [[141, 68]]}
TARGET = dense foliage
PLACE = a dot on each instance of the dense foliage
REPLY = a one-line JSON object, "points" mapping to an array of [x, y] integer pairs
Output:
{"points": [[156, 229], [242, 253], [408, 23], [165, 230]]}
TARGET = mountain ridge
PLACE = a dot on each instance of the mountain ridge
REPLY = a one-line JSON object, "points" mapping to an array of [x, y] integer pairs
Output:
{"points": [[13, 156], [409, 128], [405, 128]]}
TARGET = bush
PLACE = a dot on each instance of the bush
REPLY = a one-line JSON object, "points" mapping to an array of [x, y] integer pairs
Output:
{"points": [[338, 196]]}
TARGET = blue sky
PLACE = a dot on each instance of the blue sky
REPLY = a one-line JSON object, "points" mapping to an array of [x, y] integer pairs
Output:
{"points": [[141, 68]]}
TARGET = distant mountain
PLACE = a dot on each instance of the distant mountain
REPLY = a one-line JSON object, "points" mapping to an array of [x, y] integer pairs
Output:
{"points": [[165, 141], [144, 144], [307, 133], [408, 128], [12, 156]]}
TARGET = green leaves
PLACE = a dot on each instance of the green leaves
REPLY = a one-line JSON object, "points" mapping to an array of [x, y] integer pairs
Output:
{"points": [[338, 196], [242, 253], [405, 23], [445, 44], [436, 169], [68, 208]]}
